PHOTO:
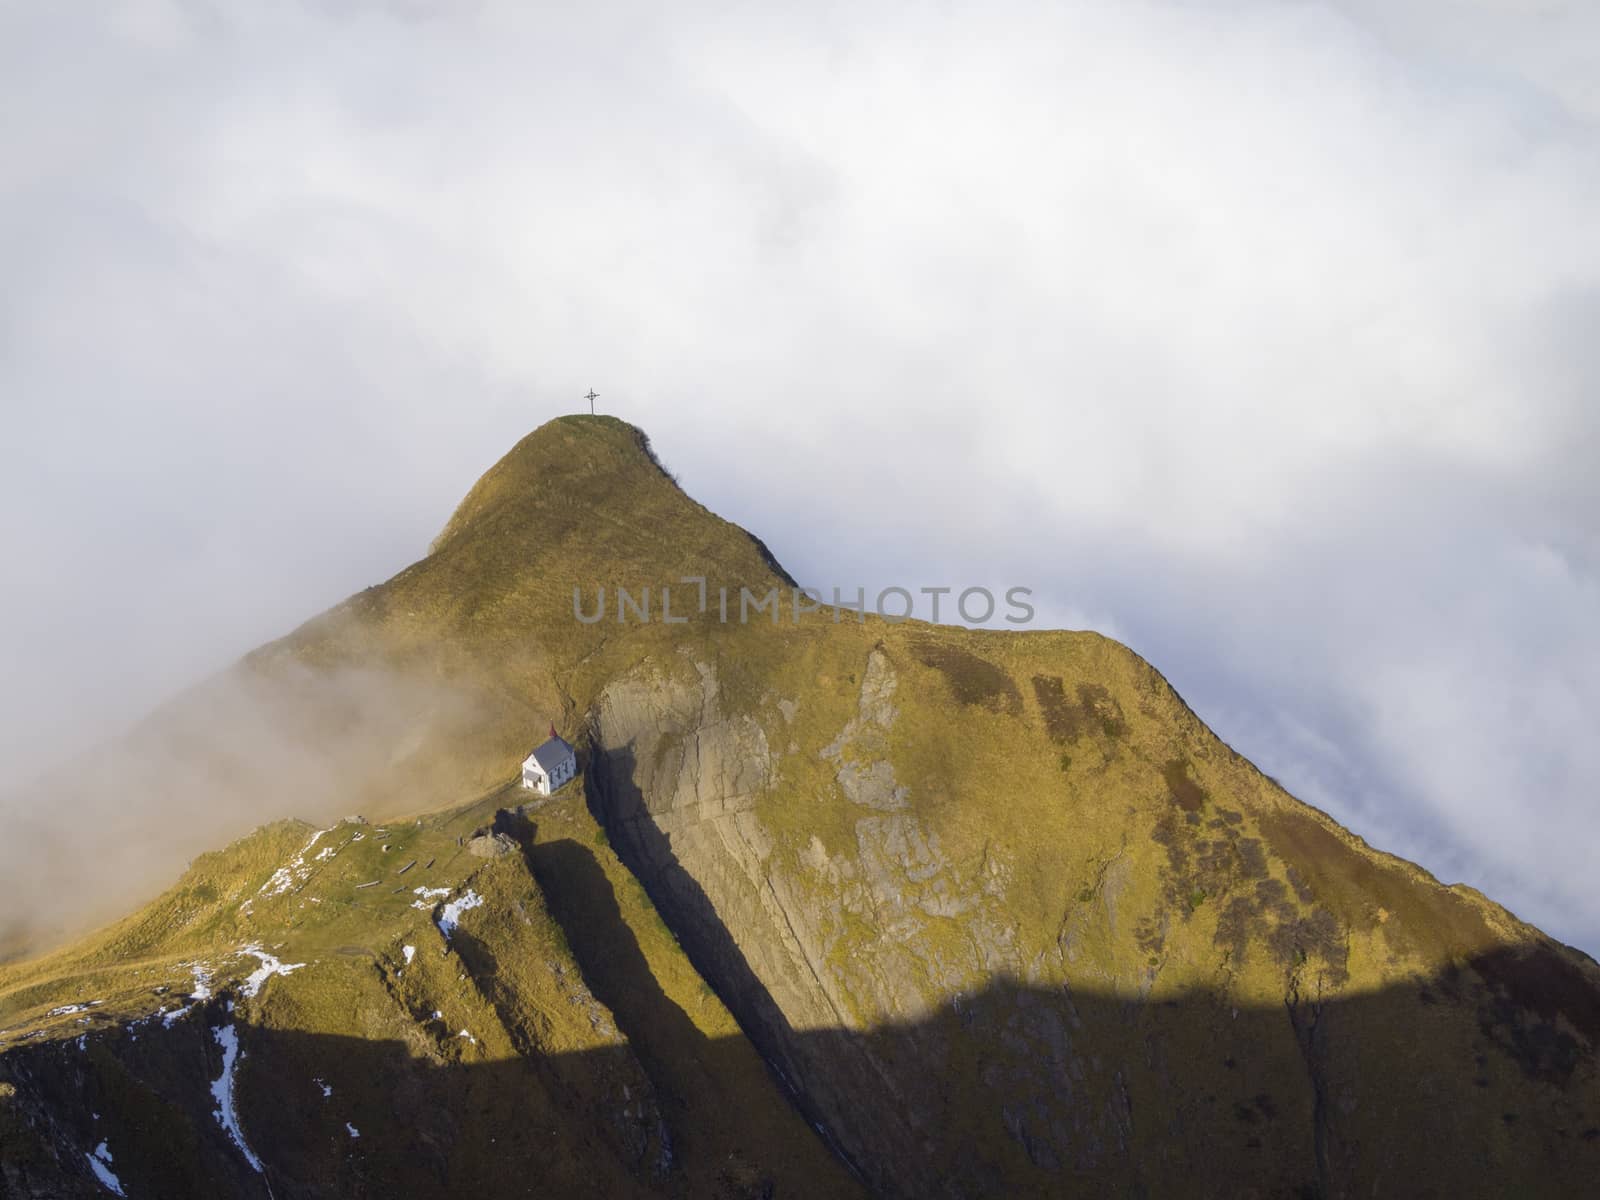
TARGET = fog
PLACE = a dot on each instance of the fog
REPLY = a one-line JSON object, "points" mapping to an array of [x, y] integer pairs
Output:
{"points": [[83, 845], [1256, 334]]}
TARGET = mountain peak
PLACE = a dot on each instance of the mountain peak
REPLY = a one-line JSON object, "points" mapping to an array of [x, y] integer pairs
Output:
{"points": [[991, 912], [585, 499], [587, 454]]}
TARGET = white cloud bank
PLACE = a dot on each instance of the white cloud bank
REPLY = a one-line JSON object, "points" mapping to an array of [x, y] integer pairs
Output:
{"points": [[1260, 334]]}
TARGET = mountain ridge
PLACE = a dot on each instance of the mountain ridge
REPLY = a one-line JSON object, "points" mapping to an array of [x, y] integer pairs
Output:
{"points": [[954, 904]]}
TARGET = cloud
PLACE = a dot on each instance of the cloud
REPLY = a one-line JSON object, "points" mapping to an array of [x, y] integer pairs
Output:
{"points": [[1258, 333], [263, 741]]}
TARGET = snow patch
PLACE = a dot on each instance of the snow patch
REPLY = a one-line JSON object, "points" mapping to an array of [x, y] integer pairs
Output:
{"points": [[410, 952], [450, 915], [202, 981], [100, 1164], [201, 993], [222, 1091], [269, 967], [353, 1131], [294, 872], [429, 895], [468, 1036], [326, 1090]]}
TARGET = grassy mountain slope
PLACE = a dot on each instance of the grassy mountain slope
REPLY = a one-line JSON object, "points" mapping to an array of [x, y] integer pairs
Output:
{"points": [[402, 699], [943, 911], [469, 1060]]}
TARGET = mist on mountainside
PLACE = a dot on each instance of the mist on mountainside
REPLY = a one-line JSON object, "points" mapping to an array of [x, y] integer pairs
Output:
{"points": [[253, 744]]}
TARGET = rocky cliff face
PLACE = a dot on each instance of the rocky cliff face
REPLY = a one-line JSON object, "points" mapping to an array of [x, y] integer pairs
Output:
{"points": [[1208, 981], [837, 906]]}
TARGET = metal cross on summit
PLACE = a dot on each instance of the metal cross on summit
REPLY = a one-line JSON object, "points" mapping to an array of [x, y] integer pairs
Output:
{"points": [[591, 399]]}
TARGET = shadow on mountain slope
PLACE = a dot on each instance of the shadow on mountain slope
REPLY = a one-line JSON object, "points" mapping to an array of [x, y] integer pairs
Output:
{"points": [[581, 898], [1029, 1090], [717, 1100], [1478, 1080], [619, 807], [1016, 1091]]}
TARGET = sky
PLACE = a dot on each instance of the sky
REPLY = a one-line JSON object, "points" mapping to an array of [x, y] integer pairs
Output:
{"points": [[1257, 334]]}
